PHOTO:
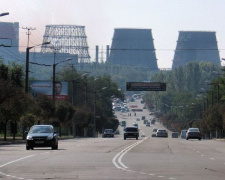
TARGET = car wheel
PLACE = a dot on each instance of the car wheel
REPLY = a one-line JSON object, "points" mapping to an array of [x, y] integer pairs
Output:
{"points": [[199, 139], [27, 148], [56, 146], [32, 148], [136, 138], [124, 138], [186, 138]]}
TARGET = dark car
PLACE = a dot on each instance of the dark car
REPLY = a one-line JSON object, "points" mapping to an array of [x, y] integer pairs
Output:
{"points": [[147, 124], [131, 132], [175, 135], [193, 133], [41, 136], [161, 133], [153, 121], [108, 133]]}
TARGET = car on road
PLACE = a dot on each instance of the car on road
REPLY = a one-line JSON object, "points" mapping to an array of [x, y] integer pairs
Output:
{"points": [[154, 129], [153, 121], [175, 135], [41, 136], [147, 124], [123, 123], [138, 119], [145, 121], [108, 133], [135, 124], [193, 133], [183, 133], [161, 133], [131, 132]]}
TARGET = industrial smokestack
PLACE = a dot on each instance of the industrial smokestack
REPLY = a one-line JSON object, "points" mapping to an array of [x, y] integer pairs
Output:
{"points": [[107, 53], [96, 54]]}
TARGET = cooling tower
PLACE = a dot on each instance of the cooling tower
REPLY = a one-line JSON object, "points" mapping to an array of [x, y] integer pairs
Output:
{"points": [[196, 46], [133, 47], [67, 39]]}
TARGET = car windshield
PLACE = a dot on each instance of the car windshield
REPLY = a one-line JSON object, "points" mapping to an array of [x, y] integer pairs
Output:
{"points": [[130, 129], [193, 130], [41, 129], [108, 130], [161, 131]]}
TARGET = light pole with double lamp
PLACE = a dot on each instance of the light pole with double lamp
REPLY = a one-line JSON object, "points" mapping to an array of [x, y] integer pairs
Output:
{"points": [[53, 77], [27, 64]]}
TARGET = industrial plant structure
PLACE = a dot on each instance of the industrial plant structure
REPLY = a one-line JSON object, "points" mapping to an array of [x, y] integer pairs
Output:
{"points": [[9, 41], [196, 46], [133, 47], [67, 39]]}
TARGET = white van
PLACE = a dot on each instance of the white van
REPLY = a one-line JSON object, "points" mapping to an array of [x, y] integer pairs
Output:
{"points": [[183, 134]]}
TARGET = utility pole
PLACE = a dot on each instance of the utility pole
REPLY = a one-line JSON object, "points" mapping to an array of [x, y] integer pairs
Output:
{"points": [[28, 33]]}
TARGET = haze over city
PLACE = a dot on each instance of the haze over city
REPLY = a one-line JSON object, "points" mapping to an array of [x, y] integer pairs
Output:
{"points": [[100, 17]]}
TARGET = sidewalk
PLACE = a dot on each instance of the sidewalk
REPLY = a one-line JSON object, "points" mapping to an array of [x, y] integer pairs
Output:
{"points": [[10, 140]]}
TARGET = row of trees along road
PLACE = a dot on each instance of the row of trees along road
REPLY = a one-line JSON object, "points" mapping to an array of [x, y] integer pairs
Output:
{"points": [[195, 97], [19, 111]]}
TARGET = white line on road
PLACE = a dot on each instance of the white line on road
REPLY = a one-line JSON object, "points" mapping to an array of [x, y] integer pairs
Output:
{"points": [[16, 161], [119, 156]]}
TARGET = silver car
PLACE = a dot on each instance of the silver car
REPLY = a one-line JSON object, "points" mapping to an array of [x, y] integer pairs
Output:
{"points": [[161, 133]]}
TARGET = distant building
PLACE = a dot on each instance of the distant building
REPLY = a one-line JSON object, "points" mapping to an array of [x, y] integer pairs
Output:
{"points": [[133, 47], [9, 41], [196, 46]]}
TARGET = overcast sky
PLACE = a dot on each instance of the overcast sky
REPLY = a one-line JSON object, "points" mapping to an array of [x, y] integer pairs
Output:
{"points": [[100, 17]]}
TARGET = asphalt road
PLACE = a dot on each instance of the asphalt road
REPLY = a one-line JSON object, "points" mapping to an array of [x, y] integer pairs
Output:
{"points": [[115, 158]]}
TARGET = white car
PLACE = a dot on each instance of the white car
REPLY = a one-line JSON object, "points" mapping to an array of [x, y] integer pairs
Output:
{"points": [[135, 125]]}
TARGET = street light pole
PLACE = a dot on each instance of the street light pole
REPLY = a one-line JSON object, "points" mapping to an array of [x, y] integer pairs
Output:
{"points": [[53, 83], [27, 64], [53, 77], [95, 116], [95, 93], [27, 70]]}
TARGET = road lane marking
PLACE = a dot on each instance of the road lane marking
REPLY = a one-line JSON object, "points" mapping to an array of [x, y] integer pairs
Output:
{"points": [[212, 158], [121, 156], [16, 160], [119, 164]]}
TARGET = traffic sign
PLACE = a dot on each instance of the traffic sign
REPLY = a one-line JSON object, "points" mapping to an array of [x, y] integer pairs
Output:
{"points": [[145, 86]]}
